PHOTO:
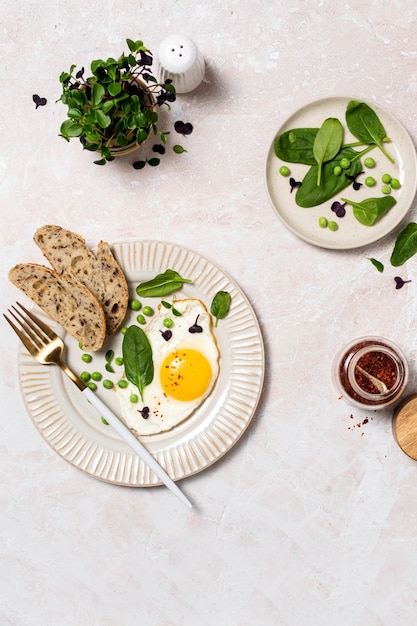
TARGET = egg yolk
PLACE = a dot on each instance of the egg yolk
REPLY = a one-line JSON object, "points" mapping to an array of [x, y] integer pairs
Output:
{"points": [[185, 374]]}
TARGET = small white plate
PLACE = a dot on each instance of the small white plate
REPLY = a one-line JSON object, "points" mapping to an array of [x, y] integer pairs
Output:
{"points": [[73, 428], [351, 233]]}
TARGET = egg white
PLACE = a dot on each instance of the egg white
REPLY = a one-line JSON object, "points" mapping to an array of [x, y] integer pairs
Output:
{"points": [[165, 411]]}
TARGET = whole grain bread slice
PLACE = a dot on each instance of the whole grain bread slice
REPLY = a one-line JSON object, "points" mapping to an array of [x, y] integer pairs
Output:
{"points": [[65, 300], [67, 252]]}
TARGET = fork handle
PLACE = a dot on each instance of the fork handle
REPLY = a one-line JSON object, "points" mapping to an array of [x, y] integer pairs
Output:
{"points": [[135, 444]]}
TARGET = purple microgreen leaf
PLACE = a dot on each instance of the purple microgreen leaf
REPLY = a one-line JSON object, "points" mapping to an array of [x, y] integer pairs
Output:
{"points": [[158, 148], [294, 184], [183, 128], [40, 102], [399, 282]]}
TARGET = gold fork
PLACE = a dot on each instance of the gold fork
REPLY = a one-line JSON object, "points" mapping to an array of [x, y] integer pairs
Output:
{"points": [[47, 348]]}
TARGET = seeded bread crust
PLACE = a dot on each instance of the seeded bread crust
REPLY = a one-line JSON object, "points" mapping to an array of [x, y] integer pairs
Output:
{"points": [[65, 300], [67, 252]]}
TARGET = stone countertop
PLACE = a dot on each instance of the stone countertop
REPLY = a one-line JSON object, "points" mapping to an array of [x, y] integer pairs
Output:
{"points": [[310, 518]]}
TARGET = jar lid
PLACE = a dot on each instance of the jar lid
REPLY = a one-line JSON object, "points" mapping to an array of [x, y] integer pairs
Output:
{"points": [[405, 426]]}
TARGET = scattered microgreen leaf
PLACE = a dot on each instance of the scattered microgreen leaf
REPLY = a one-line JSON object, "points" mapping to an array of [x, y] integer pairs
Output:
{"points": [[379, 266], [39, 102], [183, 128], [178, 149], [399, 282]]}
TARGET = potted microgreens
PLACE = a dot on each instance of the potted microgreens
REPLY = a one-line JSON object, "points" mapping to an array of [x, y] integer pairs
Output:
{"points": [[114, 110]]}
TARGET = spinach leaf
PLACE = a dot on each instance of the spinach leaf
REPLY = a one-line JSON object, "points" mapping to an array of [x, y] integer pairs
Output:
{"points": [[379, 266], [369, 211], [327, 143], [309, 194], [405, 245], [161, 285], [296, 146], [137, 358], [366, 126], [220, 305]]}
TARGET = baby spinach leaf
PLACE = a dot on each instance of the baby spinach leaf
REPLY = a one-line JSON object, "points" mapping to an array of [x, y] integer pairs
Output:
{"points": [[137, 358], [366, 126], [379, 266], [405, 245], [220, 305], [296, 146], [370, 210], [327, 143], [161, 285], [309, 194]]}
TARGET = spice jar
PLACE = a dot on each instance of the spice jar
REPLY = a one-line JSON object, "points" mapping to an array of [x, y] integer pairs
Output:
{"points": [[370, 372]]}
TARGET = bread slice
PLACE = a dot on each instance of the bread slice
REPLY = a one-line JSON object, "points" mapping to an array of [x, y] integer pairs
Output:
{"points": [[100, 273], [65, 300]]}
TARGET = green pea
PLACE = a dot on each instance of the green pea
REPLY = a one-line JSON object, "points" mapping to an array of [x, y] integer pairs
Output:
{"points": [[168, 322], [87, 358], [80, 345], [118, 360], [107, 384], [135, 305], [123, 383], [96, 376], [370, 181], [92, 386], [344, 163], [395, 183], [284, 170], [134, 398], [386, 189], [337, 170], [386, 178], [147, 310], [85, 376], [333, 226], [140, 319], [123, 330], [323, 222], [369, 162]]}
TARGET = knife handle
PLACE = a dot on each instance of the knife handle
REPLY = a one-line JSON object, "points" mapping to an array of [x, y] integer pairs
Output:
{"points": [[135, 444]]}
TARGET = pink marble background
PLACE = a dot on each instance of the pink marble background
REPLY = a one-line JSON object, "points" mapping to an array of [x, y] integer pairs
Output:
{"points": [[310, 519]]}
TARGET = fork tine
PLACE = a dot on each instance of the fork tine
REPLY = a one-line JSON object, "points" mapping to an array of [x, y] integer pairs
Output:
{"points": [[23, 338], [46, 329], [31, 331]]}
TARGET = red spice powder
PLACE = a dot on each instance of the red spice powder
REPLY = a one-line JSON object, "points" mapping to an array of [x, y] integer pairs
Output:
{"points": [[379, 365]]}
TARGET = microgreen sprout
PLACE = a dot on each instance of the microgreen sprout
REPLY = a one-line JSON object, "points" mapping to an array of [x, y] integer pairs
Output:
{"points": [[356, 185], [294, 184], [400, 282], [183, 128], [379, 266], [338, 208], [117, 106], [39, 102]]}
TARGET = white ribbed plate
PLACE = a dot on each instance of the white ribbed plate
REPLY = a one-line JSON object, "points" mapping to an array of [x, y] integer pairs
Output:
{"points": [[73, 428]]}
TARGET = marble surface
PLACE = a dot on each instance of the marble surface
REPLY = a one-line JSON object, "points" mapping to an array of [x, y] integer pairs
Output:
{"points": [[311, 517]]}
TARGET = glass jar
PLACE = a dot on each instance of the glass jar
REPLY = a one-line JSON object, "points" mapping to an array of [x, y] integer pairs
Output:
{"points": [[370, 372]]}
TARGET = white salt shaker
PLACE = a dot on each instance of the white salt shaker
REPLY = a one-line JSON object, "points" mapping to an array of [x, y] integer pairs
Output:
{"points": [[180, 60]]}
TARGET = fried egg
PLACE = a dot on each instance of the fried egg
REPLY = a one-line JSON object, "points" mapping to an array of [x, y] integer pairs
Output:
{"points": [[186, 367]]}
